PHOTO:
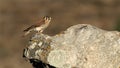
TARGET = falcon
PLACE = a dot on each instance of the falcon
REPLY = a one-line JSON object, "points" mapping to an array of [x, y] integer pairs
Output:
{"points": [[38, 27]]}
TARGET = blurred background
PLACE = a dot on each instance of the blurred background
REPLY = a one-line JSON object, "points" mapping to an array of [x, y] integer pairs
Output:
{"points": [[16, 15]]}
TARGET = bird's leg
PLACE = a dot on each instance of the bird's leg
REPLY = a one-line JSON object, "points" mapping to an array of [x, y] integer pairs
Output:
{"points": [[40, 31]]}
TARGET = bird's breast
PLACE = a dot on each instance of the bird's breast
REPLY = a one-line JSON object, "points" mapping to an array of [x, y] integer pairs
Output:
{"points": [[42, 27], [38, 28]]}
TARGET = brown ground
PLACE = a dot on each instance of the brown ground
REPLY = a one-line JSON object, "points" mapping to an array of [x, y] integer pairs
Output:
{"points": [[16, 15]]}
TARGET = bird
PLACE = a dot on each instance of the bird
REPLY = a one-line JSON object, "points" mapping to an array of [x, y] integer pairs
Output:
{"points": [[38, 27]]}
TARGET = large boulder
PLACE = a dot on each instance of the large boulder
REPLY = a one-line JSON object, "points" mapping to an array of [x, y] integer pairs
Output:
{"points": [[80, 46]]}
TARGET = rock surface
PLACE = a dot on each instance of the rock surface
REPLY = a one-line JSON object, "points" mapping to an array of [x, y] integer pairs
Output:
{"points": [[80, 46]]}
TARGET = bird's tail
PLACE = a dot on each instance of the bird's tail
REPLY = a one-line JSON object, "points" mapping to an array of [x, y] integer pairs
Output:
{"points": [[26, 33], [26, 30]]}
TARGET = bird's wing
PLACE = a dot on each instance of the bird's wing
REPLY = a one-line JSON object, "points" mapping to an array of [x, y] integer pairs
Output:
{"points": [[35, 25], [31, 27]]}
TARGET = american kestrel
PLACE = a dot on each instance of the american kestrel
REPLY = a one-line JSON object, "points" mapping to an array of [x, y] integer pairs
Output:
{"points": [[40, 26]]}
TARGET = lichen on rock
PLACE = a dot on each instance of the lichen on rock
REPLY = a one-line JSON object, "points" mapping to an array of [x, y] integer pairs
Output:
{"points": [[38, 48]]}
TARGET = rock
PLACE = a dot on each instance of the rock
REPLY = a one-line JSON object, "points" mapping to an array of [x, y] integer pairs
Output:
{"points": [[80, 46]]}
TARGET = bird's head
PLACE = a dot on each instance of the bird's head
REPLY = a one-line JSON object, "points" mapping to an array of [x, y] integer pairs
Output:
{"points": [[47, 19]]}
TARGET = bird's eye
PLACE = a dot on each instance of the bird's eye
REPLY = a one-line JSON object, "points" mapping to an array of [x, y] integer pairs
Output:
{"points": [[49, 18]]}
